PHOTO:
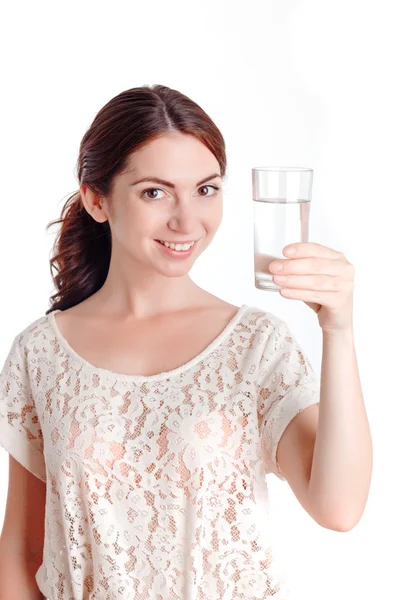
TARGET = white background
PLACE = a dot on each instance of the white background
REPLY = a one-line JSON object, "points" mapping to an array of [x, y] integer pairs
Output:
{"points": [[295, 83]]}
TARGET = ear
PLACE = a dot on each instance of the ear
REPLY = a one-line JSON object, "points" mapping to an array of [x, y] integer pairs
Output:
{"points": [[95, 205]]}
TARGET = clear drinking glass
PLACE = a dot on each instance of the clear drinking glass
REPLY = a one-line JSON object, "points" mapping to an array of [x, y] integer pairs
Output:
{"points": [[282, 199]]}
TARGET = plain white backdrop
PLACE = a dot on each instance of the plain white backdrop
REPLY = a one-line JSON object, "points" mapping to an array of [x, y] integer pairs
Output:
{"points": [[289, 83]]}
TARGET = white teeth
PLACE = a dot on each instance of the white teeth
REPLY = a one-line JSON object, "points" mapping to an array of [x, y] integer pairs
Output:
{"points": [[177, 246]]}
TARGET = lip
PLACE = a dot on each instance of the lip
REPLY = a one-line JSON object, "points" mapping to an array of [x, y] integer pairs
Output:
{"points": [[187, 241], [177, 253]]}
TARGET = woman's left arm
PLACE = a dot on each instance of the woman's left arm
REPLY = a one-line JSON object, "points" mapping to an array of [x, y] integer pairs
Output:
{"points": [[342, 457], [342, 460]]}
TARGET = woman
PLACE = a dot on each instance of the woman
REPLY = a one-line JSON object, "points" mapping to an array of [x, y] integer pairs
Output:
{"points": [[142, 413]]}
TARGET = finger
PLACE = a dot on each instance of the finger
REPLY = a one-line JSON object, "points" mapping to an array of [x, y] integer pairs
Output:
{"points": [[304, 249], [310, 266], [319, 297], [325, 283]]}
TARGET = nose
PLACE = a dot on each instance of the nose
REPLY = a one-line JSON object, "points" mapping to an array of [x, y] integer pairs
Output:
{"points": [[184, 218]]}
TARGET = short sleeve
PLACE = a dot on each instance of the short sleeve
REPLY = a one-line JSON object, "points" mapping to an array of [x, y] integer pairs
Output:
{"points": [[287, 384], [20, 429]]}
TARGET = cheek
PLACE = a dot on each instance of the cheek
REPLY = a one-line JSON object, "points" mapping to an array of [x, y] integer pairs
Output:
{"points": [[134, 224], [125, 231], [216, 216]]}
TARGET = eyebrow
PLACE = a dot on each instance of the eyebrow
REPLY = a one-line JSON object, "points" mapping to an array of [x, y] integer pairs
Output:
{"points": [[171, 185]]}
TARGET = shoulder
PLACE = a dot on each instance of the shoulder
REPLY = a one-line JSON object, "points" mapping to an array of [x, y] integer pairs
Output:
{"points": [[256, 334], [32, 338], [263, 323], [271, 340]]}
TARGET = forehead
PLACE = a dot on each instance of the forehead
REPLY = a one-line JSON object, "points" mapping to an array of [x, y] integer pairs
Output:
{"points": [[177, 156]]}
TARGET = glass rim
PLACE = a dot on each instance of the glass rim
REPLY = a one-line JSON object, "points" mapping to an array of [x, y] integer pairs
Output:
{"points": [[301, 169]]}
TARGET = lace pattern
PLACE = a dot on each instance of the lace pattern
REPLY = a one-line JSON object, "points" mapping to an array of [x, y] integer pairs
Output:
{"points": [[156, 486]]}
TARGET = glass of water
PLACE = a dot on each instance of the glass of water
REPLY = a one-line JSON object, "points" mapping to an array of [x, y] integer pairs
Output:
{"points": [[282, 199]]}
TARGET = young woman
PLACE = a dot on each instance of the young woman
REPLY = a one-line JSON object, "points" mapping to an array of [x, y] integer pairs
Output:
{"points": [[141, 412]]}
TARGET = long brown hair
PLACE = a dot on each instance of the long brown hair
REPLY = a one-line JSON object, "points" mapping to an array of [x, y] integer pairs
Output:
{"points": [[82, 250]]}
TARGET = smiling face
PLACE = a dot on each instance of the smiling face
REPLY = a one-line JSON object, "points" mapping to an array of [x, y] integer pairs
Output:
{"points": [[183, 205]]}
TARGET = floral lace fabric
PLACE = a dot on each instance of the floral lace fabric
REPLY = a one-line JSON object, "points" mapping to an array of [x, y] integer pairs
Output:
{"points": [[156, 486]]}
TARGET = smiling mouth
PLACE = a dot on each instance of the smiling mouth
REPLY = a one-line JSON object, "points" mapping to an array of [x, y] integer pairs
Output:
{"points": [[177, 252], [176, 243]]}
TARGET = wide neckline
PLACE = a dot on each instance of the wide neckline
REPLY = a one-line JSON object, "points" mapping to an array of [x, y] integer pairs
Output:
{"points": [[157, 376]]}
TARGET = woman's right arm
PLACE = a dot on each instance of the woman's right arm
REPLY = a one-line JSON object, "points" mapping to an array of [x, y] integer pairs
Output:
{"points": [[22, 536]]}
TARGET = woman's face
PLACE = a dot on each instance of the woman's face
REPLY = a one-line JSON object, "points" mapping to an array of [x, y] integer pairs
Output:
{"points": [[182, 210]]}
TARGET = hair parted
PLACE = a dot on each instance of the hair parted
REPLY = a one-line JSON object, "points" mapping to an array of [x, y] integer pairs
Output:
{"points": [[82, 249]]}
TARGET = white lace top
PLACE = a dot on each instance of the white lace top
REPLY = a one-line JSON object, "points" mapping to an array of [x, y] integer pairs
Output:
{"points": [[156, 485]]}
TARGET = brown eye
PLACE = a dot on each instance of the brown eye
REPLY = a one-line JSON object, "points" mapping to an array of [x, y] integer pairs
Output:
{"points": [[204, 187], [152, 190]]}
